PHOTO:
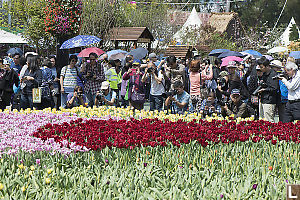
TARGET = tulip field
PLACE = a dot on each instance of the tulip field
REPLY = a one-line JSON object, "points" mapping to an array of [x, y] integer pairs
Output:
{"points": [[115, 153]]}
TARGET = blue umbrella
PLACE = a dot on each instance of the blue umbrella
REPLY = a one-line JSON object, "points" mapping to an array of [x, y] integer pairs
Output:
{"points": [[139, 53], [217, 52], [80, 41], [295, 54], [254, 53], [230, 53], [15, 50], [116, 54]]}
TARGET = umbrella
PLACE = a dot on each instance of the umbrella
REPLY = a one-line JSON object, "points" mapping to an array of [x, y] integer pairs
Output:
{"points": [[15, 50], [116, 54], [295, 54], [270, 58], [254, 53], [225, 61], [80, 41], [217, 52], [230, 53], [86, 52], [139, 53], [278, 50]]}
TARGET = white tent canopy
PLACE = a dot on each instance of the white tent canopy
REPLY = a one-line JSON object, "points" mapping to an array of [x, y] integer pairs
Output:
{"points": [[192, 22], [285, 37], [10, 38]]}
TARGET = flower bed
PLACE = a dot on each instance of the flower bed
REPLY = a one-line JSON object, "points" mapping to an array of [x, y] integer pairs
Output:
{"points": [[98, 134]]}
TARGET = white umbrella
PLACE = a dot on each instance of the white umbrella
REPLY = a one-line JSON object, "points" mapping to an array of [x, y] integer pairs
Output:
{"points": [[278, 50]]}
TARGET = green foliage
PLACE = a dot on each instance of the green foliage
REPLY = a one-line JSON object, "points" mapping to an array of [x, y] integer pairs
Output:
{"points": [[28, 18], [294, 34], [188, 172]]}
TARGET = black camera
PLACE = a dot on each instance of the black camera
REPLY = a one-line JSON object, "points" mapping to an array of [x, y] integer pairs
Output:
{"points": [[221, 82], [79, 94], [261, 85], [222, 102], [162, 69], [168, 94], [150, 70], [280, 75]]}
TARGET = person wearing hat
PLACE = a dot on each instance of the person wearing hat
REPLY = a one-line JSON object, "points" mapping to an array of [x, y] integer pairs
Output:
{"points": [[283, 91], [106, 96], [269, 93], [235, 106], [222, 85], [136, 86]]}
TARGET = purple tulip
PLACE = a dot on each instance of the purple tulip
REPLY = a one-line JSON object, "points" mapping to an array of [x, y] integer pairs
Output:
{"points": [[38, 161], [145, 164], [106, 161], [221, 196], [254, 186]]}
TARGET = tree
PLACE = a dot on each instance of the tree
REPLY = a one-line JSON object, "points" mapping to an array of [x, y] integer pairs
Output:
{"points": [[294, 34], [27, 17]]}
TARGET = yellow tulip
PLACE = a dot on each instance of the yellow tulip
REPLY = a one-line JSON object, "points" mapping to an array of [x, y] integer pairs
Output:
{"points": [[47, 181], [1, 186]]}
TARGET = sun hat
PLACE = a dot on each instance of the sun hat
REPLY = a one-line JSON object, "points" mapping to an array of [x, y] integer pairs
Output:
{"points": [[152, 55], [223, 73], [276, 63], [105, 85], [136, 62]]}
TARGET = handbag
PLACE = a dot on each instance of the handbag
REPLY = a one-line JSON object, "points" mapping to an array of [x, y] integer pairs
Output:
{"points": [[37, 95], [137, 97]]}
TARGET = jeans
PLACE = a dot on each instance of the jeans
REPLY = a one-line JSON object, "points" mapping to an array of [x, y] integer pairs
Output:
{"points": [[91, 98], [156, 102], [26, 101], [64, 99]]}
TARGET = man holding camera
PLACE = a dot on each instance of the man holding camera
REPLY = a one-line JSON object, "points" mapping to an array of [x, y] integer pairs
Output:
{"points": [[106, 96], [157, 87], [77, 98], [178, 99], [94, 74], [209, 106], [174, 71], [292, 82], [269, 91], [235, 106]]}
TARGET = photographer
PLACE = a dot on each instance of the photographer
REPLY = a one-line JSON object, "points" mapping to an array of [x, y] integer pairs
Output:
{"points": [[235, 106], [222, 86], [94, 74], [292, 82], [174, 71], [210, 106], [157, 88], [106, 96], [269, 92], [77, 98], [178, 99]]}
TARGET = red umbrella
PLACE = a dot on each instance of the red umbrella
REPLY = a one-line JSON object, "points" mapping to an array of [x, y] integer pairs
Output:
{"points": [[86, 52], [226, 60]]}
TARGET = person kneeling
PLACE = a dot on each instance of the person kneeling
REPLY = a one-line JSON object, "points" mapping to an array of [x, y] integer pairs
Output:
{"points": [[235, 106], [210, 106], [77, 98], [177, 100], [106, 96]]}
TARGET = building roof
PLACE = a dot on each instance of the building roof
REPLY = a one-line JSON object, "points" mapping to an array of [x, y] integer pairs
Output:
{"points": [[220, 21], [179, 51], [130, 33]]}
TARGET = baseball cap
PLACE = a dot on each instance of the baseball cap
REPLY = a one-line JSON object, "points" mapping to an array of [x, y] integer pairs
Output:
{"points": [[152, 55], [235, 91], [223, 73], [276, 63], [232, 64], [105, 85], [136, 62]]}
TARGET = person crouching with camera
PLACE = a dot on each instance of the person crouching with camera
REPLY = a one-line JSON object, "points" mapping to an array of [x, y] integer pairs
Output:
{"points": [[106, 96], [209, 106], [177, 100], [77, 98], [235, 106], [292, 82]]}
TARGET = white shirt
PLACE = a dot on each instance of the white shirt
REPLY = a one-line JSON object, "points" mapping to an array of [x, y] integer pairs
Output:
{"points": [[293, 87], [157, 89]]}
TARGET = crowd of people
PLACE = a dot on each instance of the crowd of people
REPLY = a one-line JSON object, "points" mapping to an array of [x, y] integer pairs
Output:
{"points": [[253, 87]]}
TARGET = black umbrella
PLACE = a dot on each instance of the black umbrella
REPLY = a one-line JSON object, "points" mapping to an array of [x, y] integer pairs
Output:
{"points": [[139, 53], [230, 53]]}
